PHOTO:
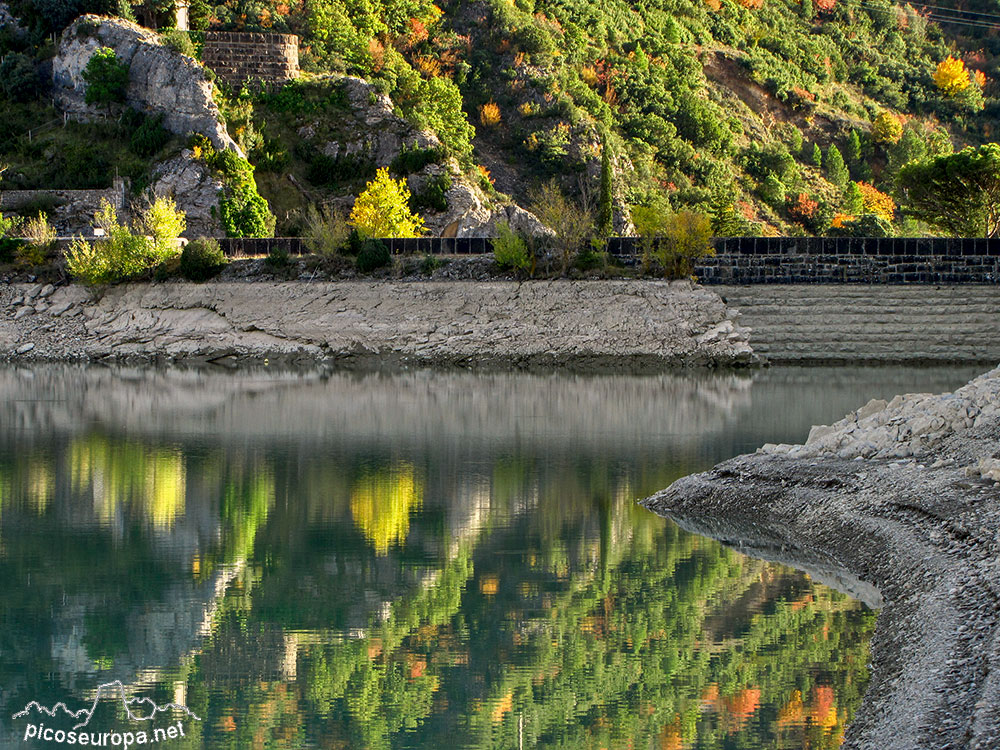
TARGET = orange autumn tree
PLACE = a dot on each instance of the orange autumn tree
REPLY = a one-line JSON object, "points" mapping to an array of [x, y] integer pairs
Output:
{"points": [[951, 76]]}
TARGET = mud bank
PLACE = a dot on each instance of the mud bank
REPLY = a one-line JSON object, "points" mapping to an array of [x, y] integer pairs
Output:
{"points": [[579, 324], [898, 504]]}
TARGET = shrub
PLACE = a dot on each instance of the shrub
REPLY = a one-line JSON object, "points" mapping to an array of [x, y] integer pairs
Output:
{"points": [[489, 114], [374, 254], [571, 223], [106, 77], [510, 250], [687, 237], [327, 233], [433, 195], [124, 253], [243, 210], [772, 191], [179, 41], [40, 241], [149, 137], [202, 259], [413, 159], [18, 77]]}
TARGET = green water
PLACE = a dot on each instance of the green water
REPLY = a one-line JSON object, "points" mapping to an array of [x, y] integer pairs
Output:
{"points": [[418, 560]]}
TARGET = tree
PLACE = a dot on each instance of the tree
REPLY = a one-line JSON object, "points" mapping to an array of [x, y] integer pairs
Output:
{"points": [[726, 221], [853, 148], [960, 193], [951, 76], [853, 200], [18, 78], [836, 170], [876, 202], [106, 77], [887, 128], [383, 209], [571, 223], [687, 237], [817, 155], [604, 212]]}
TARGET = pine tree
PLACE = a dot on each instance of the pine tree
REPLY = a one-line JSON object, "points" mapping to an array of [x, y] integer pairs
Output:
{"points": [[817, 155], [604, 211], [836, 170], [853, 148], [853, 200]]}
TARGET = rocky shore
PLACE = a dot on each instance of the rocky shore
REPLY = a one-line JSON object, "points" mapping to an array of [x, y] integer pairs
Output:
{"points": [[584, 325], [899, 504]]}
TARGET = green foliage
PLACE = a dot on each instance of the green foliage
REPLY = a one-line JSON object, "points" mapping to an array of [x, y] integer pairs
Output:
{"points": [[327, 232], [959, 193], [836, 170], [179, 41], [726, 222], [686, 238], [106, 77], [412, 159], [433, 195], [329, 171], [201, 259], [150, 136], [853, 148], [772, 191], [18, 78], [853, 200], [866, 225], [39, 242], [125, 253], [373, 255], [817, 156], [242, 209], [510, 249]]}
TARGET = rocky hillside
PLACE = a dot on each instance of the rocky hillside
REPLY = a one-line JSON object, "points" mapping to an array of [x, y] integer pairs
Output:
{"points": [[772, 116]]}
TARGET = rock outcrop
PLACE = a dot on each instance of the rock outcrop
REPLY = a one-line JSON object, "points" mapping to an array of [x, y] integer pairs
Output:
{"points": [[161, 80], [195, 189], [583, 324], [375, 132]]}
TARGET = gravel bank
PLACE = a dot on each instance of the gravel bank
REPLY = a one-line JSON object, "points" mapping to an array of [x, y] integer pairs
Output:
{"points": [[587, 325], [899, 504]]}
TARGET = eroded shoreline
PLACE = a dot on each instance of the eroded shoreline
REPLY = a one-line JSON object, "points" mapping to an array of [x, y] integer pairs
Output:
{"points": [[583, 325], [899, 499]]}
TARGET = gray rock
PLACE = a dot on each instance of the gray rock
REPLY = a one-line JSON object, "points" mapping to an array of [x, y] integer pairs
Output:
{"points": [[160, 80], [24, 312], [195, 189], [25, 348], [47, 291]]}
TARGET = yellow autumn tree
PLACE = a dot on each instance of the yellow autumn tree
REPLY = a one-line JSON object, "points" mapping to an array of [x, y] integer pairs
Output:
{"points": [[489, 114], [887, 128], [383, 209], [876, 202], [951, 76]]}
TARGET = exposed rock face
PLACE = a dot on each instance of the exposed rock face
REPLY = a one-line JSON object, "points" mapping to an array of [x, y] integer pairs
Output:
{"points": [[8, 20], [588, 324], [379, 134], [195, 189], [161, 81], [912, 528]]}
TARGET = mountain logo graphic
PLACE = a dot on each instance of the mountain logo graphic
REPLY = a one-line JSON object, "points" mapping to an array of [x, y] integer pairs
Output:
{"points": [[108, 688]]}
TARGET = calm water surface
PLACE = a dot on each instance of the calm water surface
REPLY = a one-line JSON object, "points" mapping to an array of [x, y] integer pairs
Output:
{"points": [[418, 560]]}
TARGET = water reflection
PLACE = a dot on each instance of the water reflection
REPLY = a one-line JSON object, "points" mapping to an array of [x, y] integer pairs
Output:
{"points": [[418, 560]]}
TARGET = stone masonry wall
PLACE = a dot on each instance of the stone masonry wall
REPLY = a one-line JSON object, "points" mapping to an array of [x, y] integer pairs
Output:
{"points": [[849, 323], [72, 210], [238, 56]]}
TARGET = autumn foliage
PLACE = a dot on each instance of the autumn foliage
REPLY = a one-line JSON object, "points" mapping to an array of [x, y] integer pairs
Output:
{"points": [[803, 208], [951, 76], [876, 202], [489, 114]]}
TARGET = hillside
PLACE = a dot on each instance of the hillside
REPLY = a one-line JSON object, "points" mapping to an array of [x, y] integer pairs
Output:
{"points": [[732, 109]]}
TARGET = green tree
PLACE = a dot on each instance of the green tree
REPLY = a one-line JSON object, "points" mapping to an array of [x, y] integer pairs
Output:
{"points": [[18, 78], [687, 237], [836, 170], [383, 209], [853, 148], [106, 77], [817, 155], [726, 222], [853, 200], [604, 212], [960, 193]]}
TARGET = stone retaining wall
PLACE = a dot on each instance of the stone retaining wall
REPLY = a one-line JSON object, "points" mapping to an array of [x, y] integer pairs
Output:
{"points": [[840, 323], [238, 56], [72, 211]]}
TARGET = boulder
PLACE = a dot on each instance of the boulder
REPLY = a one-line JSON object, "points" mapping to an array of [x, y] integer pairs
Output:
{"points": [[161, 80]]}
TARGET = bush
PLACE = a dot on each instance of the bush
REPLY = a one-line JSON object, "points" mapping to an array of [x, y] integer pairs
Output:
{"points": [[124, 253], [374, 254], [40, 241], [687, 237], [149, 137], [18, 77], [413, 159], [202, 259], [433, 195], [510, 250], [243, 210], [106, 77], [179, 41], [327, 232]]}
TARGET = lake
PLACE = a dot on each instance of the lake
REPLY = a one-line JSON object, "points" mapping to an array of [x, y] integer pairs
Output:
{"points": [[412, 559]]}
